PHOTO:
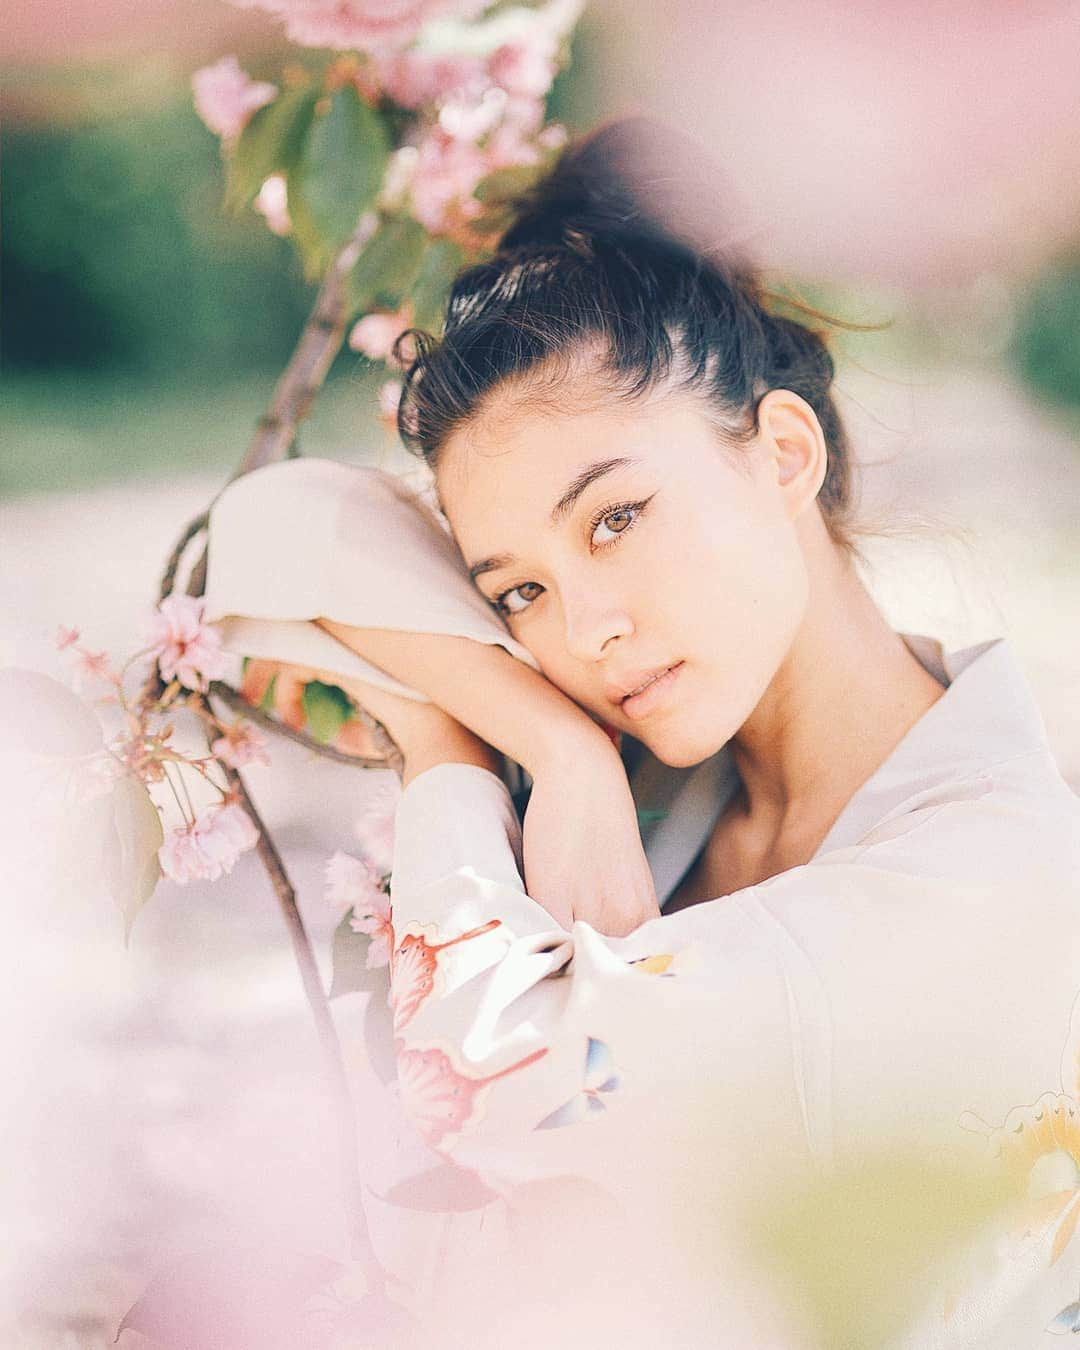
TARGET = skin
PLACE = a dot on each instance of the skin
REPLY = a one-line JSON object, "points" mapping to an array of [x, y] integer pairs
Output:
{"points": [[728, 568]]}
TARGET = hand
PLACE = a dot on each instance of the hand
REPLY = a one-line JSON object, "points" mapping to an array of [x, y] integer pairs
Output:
{"points": [[582, 847]]}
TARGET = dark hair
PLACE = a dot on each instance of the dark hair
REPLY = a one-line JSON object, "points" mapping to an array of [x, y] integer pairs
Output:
{"points": [[606, 255]]}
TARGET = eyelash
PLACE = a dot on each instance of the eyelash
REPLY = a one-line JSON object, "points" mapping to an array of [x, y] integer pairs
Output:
{"points": [[611, 509]]}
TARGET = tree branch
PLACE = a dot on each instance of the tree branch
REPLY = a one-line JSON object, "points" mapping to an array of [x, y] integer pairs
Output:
{"points": [[333, 1062]]}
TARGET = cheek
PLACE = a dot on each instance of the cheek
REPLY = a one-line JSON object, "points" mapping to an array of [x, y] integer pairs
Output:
{"points": [[735, 604]]}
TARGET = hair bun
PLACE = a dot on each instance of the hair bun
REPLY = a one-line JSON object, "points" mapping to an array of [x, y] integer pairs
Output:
{"points": [[632, 177]]}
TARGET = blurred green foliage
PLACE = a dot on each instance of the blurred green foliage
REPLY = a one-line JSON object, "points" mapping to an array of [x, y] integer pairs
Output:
{"points": [[144, 324], [117, 256], [1046, 339]]}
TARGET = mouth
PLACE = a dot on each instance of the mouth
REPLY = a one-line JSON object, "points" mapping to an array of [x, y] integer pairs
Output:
{"points": [[651, 692]]}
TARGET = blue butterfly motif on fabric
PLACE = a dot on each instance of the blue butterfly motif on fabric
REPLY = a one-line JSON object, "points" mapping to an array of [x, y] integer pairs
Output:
{"points": [[600, 1076], [1067, 1320]]}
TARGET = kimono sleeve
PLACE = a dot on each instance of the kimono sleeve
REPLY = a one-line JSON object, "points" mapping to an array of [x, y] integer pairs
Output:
{"points": [[525, 1049]]}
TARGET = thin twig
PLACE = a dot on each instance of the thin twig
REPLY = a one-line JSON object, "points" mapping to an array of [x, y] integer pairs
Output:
{"points": [[275, 439], [303, 377], [392, 760], [333, 1061]]}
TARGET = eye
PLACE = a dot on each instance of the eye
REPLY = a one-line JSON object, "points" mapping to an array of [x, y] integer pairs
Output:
{"points": [[625, 514]]}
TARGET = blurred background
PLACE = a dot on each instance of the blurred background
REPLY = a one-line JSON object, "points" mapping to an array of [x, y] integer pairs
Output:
{"points": [[916, 167]]}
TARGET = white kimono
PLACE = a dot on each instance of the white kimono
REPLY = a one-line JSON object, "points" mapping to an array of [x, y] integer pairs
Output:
{"points": [[911, 992]]}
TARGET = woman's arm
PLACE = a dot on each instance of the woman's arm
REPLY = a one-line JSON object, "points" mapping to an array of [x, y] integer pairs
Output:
{"points": [[515, 1034], [505, 702], [583, 856]]}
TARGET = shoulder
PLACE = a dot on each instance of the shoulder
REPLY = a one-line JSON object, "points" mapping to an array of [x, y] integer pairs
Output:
{"points": [[1014, 820]]}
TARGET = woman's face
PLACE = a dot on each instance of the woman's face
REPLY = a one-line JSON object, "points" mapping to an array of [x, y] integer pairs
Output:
{"points": [[670, 554]]}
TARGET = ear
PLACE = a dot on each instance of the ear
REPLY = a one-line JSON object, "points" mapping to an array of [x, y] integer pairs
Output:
{"points": [[793, 442]]}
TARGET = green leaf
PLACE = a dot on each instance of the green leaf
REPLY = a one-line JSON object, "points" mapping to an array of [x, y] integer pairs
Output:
{"points": [[342, 165], [350, 975], [387, 267], [132, 867], [270, 143], [500, 189], [502, 185], [327, 708], [442, 262], [312, 248]]}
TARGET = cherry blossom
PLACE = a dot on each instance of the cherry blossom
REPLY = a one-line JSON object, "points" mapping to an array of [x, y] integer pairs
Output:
{"points": [[272, 202], [447, 170], [376, 923], [526, 68], [209, 846], [375, 334], [92, 670], [354, 884], [361, 25], [65, 637], [187, 649], [375, 827], [413, 79], [225, 97], [241, 743]]}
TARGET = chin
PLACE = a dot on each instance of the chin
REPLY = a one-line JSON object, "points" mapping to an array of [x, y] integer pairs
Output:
{"points": [[678, 751]]}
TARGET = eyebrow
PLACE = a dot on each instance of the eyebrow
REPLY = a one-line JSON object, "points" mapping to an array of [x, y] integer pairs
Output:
{"points": [[562, 508]]}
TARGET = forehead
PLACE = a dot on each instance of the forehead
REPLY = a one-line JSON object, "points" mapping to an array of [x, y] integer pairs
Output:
{"points": [[517, 455]]}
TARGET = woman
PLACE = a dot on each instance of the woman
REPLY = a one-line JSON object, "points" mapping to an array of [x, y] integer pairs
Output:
{"points": [[848, 921]]}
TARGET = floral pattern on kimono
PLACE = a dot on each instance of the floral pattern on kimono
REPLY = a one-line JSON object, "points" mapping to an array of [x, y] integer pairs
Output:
{"points": [[413, 967], [1037, 1148]]}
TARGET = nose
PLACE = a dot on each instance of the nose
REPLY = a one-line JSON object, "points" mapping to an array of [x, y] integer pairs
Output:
{"points": [[591, 622]]}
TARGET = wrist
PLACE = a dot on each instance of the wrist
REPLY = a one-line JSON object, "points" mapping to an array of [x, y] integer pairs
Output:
{"points": [[455, 745], [577, 739]]}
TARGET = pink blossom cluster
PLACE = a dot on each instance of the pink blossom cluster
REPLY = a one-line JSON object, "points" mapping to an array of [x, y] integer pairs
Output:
{"points": [[225, 97], [272, 203], [476, 113], [239, 744], [489, 117], [361, 25], [92, 671], [375, 334], [186, 648], [209, 845], [188, 652], [359, 886], [375, 824], [354, 886]]}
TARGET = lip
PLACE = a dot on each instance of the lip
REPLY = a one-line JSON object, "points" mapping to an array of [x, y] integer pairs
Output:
{"points": [[638, 705]]}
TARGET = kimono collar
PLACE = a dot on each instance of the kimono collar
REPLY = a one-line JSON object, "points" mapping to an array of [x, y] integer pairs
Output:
{"points": [[987, 715]]}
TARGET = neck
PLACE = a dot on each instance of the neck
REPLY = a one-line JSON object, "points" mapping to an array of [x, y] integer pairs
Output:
{"points": [[845, 695]]}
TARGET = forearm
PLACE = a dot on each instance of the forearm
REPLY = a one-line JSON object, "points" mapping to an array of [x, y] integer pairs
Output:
{"points": [[458, 745], [502, 700]]}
